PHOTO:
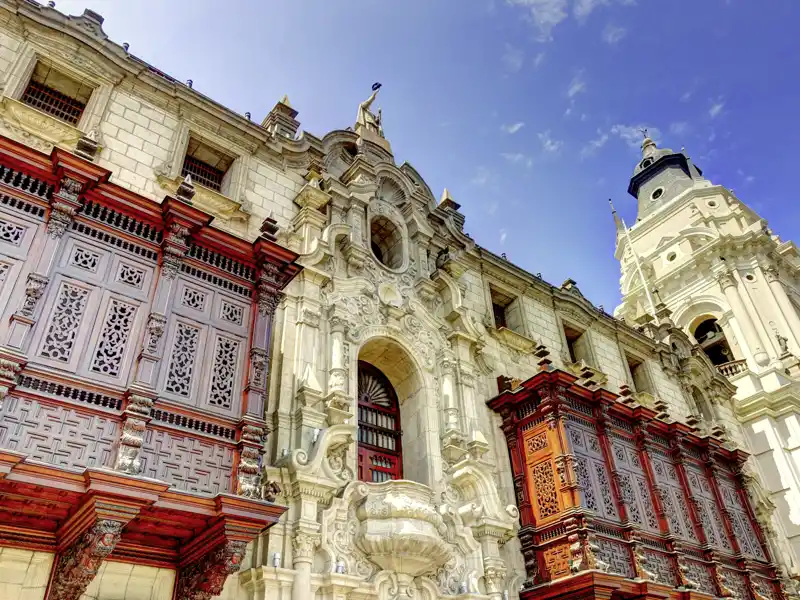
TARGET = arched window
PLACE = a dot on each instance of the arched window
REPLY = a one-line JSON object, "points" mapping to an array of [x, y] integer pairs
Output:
{"points": [[386, 242], [380, 454], [712, 340]]}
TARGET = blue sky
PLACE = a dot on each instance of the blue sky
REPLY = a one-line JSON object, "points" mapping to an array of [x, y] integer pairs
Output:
{"points": [[526, 110]]}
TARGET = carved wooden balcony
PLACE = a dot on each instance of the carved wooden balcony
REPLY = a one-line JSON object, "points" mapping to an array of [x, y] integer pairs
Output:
{"points": [[133, 373], [614, 499]]}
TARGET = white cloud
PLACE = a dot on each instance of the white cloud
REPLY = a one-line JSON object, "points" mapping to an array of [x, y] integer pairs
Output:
{"points": [[481, 177], [594, 145], [518, 158], [544, 14], [679, 128], [716, 107], [512, 129], [549, 144], [538, 60], [583, 8], [577, 85], [613, 33], [686, 96], [492, 208], [513, 58], [503, 236], [632, 134]]}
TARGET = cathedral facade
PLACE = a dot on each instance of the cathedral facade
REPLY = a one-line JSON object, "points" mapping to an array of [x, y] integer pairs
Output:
{"points": [[245, 362]]}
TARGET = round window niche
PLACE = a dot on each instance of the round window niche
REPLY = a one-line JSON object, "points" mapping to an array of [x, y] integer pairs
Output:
{"points": [[646, 163], [657, 193], [671, 256], [750, 277], [386, 241], [712, 204]]}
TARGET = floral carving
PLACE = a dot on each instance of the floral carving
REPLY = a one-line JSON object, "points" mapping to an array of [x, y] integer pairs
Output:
{"points": [[545, 485], [61, 217], [258, 362], [114, 338], [34, 289], [79, 564], [248, 477], [226, 358], [204, 579], [155, 329], [536, 443], [63, 329], [181, 366]]}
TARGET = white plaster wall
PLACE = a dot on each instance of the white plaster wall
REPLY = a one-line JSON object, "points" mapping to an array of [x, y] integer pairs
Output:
{"points": [[24, 573], [126, 581]]}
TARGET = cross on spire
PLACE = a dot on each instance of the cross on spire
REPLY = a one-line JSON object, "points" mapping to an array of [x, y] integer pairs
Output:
{"points": [[643, 131]]}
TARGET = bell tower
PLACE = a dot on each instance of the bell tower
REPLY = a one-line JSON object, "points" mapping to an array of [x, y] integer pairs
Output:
{"points": [[701, 256]]}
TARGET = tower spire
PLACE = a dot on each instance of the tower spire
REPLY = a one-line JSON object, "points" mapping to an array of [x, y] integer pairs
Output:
{"points": [[617, 220]]}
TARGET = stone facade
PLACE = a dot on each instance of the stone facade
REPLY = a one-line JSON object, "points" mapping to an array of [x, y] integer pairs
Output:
{"points": [[389, 279]]}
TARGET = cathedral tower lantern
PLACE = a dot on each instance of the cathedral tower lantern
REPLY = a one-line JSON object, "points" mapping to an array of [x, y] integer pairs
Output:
{"points": [[661, 176]]}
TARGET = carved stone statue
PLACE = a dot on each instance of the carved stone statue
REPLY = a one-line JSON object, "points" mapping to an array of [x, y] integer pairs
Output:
{"points": [[368, 120], [783, 342]]}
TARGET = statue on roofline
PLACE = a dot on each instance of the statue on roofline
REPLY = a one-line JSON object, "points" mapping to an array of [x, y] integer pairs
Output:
{"points": [[367, 119]]}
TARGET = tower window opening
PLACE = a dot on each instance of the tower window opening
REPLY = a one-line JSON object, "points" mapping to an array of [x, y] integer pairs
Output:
{"points": [[657, 193], [575, 344], [386, 242], [380, 454], [646, 163], [710, 337]]}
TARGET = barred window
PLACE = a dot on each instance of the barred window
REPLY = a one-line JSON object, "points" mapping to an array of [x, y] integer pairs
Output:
{"points": [[56, 94], [206, 165]]}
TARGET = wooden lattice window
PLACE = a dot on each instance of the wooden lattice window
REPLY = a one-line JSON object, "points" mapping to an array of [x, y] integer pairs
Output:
{"points": [[206, 165], [56, 94], [380, 454]]}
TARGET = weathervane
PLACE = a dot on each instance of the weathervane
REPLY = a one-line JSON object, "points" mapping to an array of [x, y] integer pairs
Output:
{"points": [[643, 131]]}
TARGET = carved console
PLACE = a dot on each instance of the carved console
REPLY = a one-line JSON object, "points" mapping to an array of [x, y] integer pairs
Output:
{"points": [[612, 495]]}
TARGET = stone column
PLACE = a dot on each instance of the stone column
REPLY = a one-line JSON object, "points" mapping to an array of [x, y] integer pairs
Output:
{"points": [[785, 305], [731, 291], [449, 402], [304, 545]]}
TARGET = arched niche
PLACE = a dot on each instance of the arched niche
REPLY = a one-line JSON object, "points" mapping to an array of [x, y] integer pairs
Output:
{"points": [[418, 416]]}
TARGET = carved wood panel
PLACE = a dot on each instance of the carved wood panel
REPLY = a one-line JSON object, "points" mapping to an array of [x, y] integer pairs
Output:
{"points": [[633, 484], [187, 462], [673, 497], [57, 434], [543, 483], [740, 521], [590, 468], [710, 517], [555, 561]]}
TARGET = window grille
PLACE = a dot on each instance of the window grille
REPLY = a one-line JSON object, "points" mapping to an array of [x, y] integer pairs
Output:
{"points": [[203, 173], [380, 455], [53, 102]]}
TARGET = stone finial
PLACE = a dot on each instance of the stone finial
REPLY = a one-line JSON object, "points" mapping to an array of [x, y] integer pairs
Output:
{"points": [[269, 229], [446, 201], [281, 120], [185, 191], [87, 146]]}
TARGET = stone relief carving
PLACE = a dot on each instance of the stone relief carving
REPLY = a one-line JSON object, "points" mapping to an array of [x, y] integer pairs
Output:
{"points": [[34, 289], [204, 578]]}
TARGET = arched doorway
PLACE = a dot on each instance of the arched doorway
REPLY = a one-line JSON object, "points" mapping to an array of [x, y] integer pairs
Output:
{"points": [[380, 447], [712, 340]]}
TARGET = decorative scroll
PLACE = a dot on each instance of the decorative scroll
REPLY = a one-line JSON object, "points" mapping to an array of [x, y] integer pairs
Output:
{"points": [[67, 314], [226, 360], [544, 485], [205, 578], [11, 233], [78, 565], [181, 365], [113, 338]]}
